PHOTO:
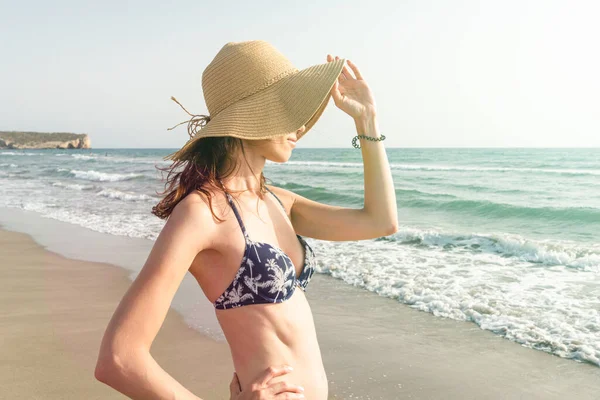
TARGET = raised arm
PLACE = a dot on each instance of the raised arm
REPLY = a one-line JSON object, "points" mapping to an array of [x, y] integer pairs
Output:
{"points": [[378, 217], [124, 360]]}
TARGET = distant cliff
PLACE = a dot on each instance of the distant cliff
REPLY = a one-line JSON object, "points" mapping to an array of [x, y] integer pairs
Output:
{"points": [[40, 140]]}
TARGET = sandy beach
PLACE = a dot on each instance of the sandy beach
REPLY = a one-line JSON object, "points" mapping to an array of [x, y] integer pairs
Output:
{"points": [[54, 311], [53, 314], [467, 126]]}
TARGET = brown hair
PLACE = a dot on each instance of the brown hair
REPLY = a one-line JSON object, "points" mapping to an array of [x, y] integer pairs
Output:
{"points": [[209, 156]]}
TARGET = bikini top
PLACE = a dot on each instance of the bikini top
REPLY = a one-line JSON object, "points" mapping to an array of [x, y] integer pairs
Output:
{"points": [[266, 274]]}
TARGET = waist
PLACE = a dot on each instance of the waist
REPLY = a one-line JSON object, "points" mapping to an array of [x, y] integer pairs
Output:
{"points": [[307, 373], [260, 336], [308, 370], [301, 352]]}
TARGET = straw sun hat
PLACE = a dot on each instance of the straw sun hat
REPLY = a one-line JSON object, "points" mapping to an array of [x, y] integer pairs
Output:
{"points": [[252, 91]]}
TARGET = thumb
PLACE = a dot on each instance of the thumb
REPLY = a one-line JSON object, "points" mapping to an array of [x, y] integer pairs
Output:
{"points": [[234, 386], [335, 92]]}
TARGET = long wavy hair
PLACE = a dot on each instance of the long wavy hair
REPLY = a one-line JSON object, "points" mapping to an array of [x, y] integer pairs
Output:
{"points": [[210, 156]]}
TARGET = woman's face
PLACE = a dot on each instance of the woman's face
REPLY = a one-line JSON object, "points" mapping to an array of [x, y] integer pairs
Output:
{"points": [[278, 148]]}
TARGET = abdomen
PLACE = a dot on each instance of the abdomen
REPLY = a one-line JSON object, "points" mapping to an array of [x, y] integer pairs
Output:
{"points": [[264, 335]]}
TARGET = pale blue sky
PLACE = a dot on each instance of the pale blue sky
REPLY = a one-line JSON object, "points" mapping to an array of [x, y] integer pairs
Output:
{"points": [[444, 73]]}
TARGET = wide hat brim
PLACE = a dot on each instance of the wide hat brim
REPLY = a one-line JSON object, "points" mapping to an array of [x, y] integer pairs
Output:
{"points": [[282, 108]]}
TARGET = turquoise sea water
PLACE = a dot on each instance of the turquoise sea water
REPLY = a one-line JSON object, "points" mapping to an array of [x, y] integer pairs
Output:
{"points": [[505, 238]]}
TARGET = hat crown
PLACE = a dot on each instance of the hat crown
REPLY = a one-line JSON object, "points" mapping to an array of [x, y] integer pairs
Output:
{"points": [[241, 69]]}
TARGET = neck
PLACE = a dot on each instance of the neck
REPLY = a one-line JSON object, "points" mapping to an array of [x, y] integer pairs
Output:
{"points": [[246, 175], [244, 180]]}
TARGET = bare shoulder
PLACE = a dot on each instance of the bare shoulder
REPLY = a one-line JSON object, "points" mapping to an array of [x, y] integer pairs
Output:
{"points": [[193, 214], [198, 203]]}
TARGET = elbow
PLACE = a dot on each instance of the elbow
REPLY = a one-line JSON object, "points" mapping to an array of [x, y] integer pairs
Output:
{"points": [[392, 228], [115, 367], [102, 373], [109, 367], [106, 368]]}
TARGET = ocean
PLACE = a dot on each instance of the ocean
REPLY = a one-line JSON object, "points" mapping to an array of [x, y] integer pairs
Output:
{"points": [[507, 239]]}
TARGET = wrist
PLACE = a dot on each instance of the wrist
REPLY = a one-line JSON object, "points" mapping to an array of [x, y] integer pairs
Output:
{"points": [[368, 113], [367, 125], [372, 114]]}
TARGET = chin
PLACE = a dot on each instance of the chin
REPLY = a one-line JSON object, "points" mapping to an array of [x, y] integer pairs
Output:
{"points": [[280, 157]]}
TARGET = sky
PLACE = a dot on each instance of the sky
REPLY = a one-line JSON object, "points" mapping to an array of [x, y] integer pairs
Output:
{"points": [[444, 73]]}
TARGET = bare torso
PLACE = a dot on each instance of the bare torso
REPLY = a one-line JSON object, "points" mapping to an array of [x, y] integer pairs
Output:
{"points": [[262, 335]]}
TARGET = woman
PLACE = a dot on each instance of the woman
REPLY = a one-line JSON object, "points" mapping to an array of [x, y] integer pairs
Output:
{"points": [[251, 261]]}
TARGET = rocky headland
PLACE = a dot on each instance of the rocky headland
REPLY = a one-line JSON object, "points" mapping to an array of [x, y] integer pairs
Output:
{"points": [[42, 140]]}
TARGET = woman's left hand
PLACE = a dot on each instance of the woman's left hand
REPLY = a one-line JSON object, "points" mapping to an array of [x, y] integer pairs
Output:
{"points": [[351, 93]]}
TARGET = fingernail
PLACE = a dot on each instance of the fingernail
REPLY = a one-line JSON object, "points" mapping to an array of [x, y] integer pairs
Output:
{"points": [[301, 388], [289, 368]]}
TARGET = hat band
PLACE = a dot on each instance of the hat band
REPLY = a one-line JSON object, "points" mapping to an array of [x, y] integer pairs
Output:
{"points": [[199, 121], [196, 123]]}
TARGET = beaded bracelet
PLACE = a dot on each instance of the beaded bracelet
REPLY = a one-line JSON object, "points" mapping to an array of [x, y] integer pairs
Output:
{"points": [[356, 145]]}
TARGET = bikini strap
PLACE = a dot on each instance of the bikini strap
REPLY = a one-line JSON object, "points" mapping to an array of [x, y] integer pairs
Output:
{"points": [[237, 214], [276, 198]]}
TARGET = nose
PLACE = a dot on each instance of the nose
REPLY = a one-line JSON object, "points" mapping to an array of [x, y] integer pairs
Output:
{"points": [[302, 129]]}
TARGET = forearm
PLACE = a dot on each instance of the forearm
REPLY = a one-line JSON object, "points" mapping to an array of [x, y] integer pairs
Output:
{"points": [[380, 195], [140, 377]]}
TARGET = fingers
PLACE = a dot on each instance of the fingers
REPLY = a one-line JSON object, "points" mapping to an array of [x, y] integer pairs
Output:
{"points": [[345, 72], [272, 372], [234, 386], [285, 387], [355, 69], [289, 396], [335, 92]]}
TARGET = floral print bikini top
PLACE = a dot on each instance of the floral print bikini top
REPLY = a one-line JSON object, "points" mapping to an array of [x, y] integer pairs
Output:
{"points": [[266, 274]]}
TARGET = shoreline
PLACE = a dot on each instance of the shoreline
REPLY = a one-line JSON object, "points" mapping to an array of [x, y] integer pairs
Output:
{"points": [[373, 347]]}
